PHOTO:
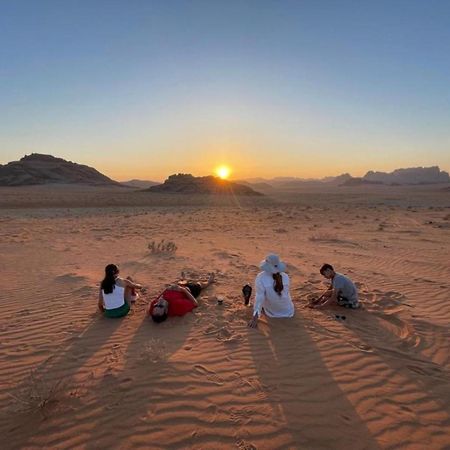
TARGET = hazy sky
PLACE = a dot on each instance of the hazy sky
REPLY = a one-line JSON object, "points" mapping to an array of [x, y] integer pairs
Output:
{"points": [[143, 89]]}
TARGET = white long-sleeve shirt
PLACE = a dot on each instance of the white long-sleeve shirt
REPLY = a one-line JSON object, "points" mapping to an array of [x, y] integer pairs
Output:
{"points": [[274, 305]]}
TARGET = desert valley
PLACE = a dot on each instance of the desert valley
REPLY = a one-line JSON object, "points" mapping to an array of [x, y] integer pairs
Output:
{"points": [[372, 378]]}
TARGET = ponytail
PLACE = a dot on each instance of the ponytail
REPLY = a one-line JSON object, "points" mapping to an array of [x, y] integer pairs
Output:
{"points": [[109, 282], [278, 283]]}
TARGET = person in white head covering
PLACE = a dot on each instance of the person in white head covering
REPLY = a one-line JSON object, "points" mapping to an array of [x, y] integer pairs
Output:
{"points": [[272, 291]]}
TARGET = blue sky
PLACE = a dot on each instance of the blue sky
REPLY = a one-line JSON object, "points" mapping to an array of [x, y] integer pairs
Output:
{"points": [[306, 88]]}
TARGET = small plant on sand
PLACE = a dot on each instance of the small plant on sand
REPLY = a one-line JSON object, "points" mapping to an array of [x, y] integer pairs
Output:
{"points": [[38, 394], [162, 248], [324, 237]]}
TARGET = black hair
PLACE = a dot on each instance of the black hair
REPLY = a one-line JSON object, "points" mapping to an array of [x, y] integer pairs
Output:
{"points": [[325, 267], [159, 319], [109, 282], [278, 283]]}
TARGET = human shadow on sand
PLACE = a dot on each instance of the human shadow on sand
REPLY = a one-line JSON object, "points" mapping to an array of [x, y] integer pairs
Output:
{"points": [[24, 420], [415, 387], [131, 396], [308, 407]]}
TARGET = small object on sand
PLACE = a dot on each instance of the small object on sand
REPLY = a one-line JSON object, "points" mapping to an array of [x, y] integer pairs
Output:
{"points": [[247, 293], [220, 300], [340, 317]]}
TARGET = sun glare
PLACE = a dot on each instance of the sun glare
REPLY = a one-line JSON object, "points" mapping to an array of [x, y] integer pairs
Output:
{"points": [[223, 172]]}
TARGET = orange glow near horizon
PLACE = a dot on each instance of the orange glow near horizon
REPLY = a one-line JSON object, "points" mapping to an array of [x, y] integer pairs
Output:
{"points": [[223, 172]]}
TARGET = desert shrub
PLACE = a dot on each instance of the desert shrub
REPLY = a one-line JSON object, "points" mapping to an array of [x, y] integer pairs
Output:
{"points": [[162, 247], [37, 395], [324, 237]]}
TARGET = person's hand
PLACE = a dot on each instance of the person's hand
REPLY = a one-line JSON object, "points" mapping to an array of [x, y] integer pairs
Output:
{"points": [[101, 308], [254, 322]]}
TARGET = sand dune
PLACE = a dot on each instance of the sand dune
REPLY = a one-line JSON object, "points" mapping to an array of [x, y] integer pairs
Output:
{"points": [[378, 379]]}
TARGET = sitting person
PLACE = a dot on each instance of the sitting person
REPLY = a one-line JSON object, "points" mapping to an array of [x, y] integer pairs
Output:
{"points": [[342, 290], [116, 293], [272, 291], [177, 299]]}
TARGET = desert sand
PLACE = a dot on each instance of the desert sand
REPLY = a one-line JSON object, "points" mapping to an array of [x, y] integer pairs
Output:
{"points": [[379, 379]]}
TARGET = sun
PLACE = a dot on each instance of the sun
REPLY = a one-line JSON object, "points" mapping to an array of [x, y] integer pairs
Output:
{"points": [[223, 172]]}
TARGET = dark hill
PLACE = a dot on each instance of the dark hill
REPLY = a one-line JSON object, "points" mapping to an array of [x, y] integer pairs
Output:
{"points": [[46, 169], [188, 184], [139, 184], [413, 175]]}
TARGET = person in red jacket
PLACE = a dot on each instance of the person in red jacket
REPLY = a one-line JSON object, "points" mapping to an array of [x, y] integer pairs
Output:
{"points": [[177, 300]]}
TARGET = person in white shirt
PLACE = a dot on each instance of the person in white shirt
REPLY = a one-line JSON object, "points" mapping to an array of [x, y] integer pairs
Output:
{"points": [[116, 294], [272, 291]]}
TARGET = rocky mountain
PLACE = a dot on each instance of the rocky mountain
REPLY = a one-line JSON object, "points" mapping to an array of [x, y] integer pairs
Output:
{"points": [[188, 184], [140, 184], [46, 169], [414, 175]]}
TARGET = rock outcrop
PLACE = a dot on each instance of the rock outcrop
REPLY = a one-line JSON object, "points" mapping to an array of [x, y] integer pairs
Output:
{"points": [[414, 175], [46, 169], [188, 184]]}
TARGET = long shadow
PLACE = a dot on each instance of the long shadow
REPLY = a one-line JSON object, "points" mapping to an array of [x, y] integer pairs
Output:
{"points": [[308, 407], [130, 395], [403, 357], [20, 426], [403, 370]]}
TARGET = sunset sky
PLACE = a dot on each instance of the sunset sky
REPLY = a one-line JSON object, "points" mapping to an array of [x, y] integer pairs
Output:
{"points": [[143, 89]]}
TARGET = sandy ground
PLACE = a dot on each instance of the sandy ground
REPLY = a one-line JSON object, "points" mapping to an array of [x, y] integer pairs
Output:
{"points": [[379, 379]]}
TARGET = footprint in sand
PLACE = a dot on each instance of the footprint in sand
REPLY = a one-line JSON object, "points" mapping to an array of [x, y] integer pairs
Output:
{"points": [[226, 336], [241, 416], [418, 370], [210, 375], [243, 445], [363, 347]]}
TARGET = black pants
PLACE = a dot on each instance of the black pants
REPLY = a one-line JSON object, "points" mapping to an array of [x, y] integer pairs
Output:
{"points": [[194, 287]]}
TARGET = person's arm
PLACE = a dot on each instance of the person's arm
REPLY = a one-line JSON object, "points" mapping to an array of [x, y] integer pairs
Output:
{"points": [[149, 308], [259, 300], [330, 298], [129, 283], [101, 307]]}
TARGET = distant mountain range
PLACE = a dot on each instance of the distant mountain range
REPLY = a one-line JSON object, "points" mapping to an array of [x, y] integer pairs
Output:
{"points": [[140, 184], [414, 175], [410, 176], [46, 169], [188, 184]]}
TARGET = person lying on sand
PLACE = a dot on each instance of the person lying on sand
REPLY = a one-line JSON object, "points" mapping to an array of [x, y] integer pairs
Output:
{"points": [[116, 293], [177, 299], [342, 290], [272, 291]]}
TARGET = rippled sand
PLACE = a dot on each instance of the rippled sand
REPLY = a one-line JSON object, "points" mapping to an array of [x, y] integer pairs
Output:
{"points": [[378, 379]]}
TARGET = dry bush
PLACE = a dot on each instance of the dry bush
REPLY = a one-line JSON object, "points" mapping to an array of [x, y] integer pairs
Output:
{"points": [[324, 237], [162, 248], [330, 238], [38, 394]]}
